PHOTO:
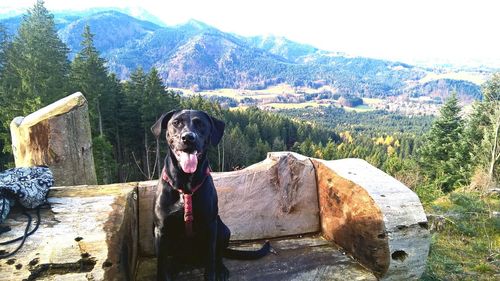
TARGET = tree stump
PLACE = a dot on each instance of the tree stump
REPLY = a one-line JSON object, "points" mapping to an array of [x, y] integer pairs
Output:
{"points": [[57, 136]]}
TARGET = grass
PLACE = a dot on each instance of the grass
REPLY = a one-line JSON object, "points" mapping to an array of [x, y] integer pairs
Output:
{"points": [[474, 77], [466, 244], [277, 90], [370, 101], [359, 108], [294, 105], [264, 96]]}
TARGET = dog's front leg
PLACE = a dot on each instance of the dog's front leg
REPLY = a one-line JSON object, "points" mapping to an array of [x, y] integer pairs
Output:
{"points": [[210, 268], [165, 268]]}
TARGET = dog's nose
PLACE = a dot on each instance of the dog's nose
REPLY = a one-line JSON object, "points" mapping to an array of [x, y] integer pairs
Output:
{"points": [[188, 137]]}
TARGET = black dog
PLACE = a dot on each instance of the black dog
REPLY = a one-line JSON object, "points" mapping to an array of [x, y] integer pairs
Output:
{"points": [[187, 225]]}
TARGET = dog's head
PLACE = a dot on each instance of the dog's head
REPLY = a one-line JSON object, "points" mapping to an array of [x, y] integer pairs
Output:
{"points": [[189, 133]]}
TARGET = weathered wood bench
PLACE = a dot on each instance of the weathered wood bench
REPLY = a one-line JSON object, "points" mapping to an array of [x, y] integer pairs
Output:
{"points": [[328, 220]]}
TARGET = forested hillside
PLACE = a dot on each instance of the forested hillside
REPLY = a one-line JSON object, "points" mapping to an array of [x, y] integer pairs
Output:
{"points": [[198, 56], [35, 71]]}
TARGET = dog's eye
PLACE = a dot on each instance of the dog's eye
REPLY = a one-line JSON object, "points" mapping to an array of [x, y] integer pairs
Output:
{"points": [[197, 122], [175, 123]]}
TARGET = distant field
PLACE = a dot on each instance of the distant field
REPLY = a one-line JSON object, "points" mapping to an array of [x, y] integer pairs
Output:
{"points": [[474, 77], [237, 94], [359, 108], [370, 101], [277, 90], [294, 105], [268, 93], [266, 96]]}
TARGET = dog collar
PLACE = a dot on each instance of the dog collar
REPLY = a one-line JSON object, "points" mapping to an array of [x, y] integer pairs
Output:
{"points": [[188, 201]]}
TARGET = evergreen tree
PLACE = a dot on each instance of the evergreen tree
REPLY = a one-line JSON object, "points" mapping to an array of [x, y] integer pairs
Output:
{"points": [[155, 101], [236, 149], [39, 57], [483, 130], [442, 155], [3, 46], [5, 157], [131, 125], [473, 137], [278, 144], [491, 141], [145, 99], [90, 76]]}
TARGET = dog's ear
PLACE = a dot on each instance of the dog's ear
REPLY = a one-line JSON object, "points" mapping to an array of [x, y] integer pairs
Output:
{"points": [[217, 130], [161, 123]]}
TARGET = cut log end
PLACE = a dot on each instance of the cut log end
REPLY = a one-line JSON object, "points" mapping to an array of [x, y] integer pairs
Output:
{"points": [[57, 136]]}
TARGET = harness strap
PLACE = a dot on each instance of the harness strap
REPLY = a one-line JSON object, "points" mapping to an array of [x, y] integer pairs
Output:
{"points": [[188, 201], [26, 234]]}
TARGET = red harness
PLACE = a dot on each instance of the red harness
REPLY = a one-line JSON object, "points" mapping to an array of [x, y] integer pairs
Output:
{"points": [[188, 201]]}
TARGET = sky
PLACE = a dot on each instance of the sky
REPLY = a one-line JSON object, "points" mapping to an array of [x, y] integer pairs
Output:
{"points": [[414, 31]]}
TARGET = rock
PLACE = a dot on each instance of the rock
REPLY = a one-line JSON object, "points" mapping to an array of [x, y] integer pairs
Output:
{"points": [[276, 197], [57, 136]]}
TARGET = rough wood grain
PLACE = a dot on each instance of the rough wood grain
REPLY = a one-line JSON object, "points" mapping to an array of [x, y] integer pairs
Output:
{"points": [[299, 258], [57, 136], [374, 217], [276, 197], [86, 234]]}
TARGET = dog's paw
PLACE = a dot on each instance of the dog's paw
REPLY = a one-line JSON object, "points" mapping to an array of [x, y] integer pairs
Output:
{"points": [[222, 274]]}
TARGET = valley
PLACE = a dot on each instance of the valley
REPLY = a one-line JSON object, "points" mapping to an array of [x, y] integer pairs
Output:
{"points": [[268, 71], [284, 96]]}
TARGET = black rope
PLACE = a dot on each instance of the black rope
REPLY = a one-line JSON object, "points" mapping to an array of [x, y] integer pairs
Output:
{"points": [[26, 234]]}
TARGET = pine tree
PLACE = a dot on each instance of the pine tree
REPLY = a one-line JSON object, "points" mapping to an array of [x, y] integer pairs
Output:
{"points": [[3, 46], [5, 157], [491, 141], [39, 57], [482, 133], [33, 68], [131, 126], [155, 101], [90, 76], [442, 156]]}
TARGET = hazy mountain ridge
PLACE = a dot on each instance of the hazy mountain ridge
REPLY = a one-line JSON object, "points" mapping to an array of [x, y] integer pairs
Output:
{"points": [[196, 55]]}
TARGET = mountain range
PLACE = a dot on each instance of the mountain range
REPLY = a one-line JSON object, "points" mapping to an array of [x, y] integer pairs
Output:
{"points": [[198, 56]]}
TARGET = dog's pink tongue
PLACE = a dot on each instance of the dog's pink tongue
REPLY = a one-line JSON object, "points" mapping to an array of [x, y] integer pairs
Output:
{"points": [[188, 162]]}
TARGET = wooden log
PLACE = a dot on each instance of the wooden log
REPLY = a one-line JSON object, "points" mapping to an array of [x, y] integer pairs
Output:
{"points": [[273, 198], [374, 217], [299, 258], [57, 136], [105, 232], [88, 233]]}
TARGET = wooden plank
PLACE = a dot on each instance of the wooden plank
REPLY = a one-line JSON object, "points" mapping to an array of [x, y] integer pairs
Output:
{"points": [[300, 258]]}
